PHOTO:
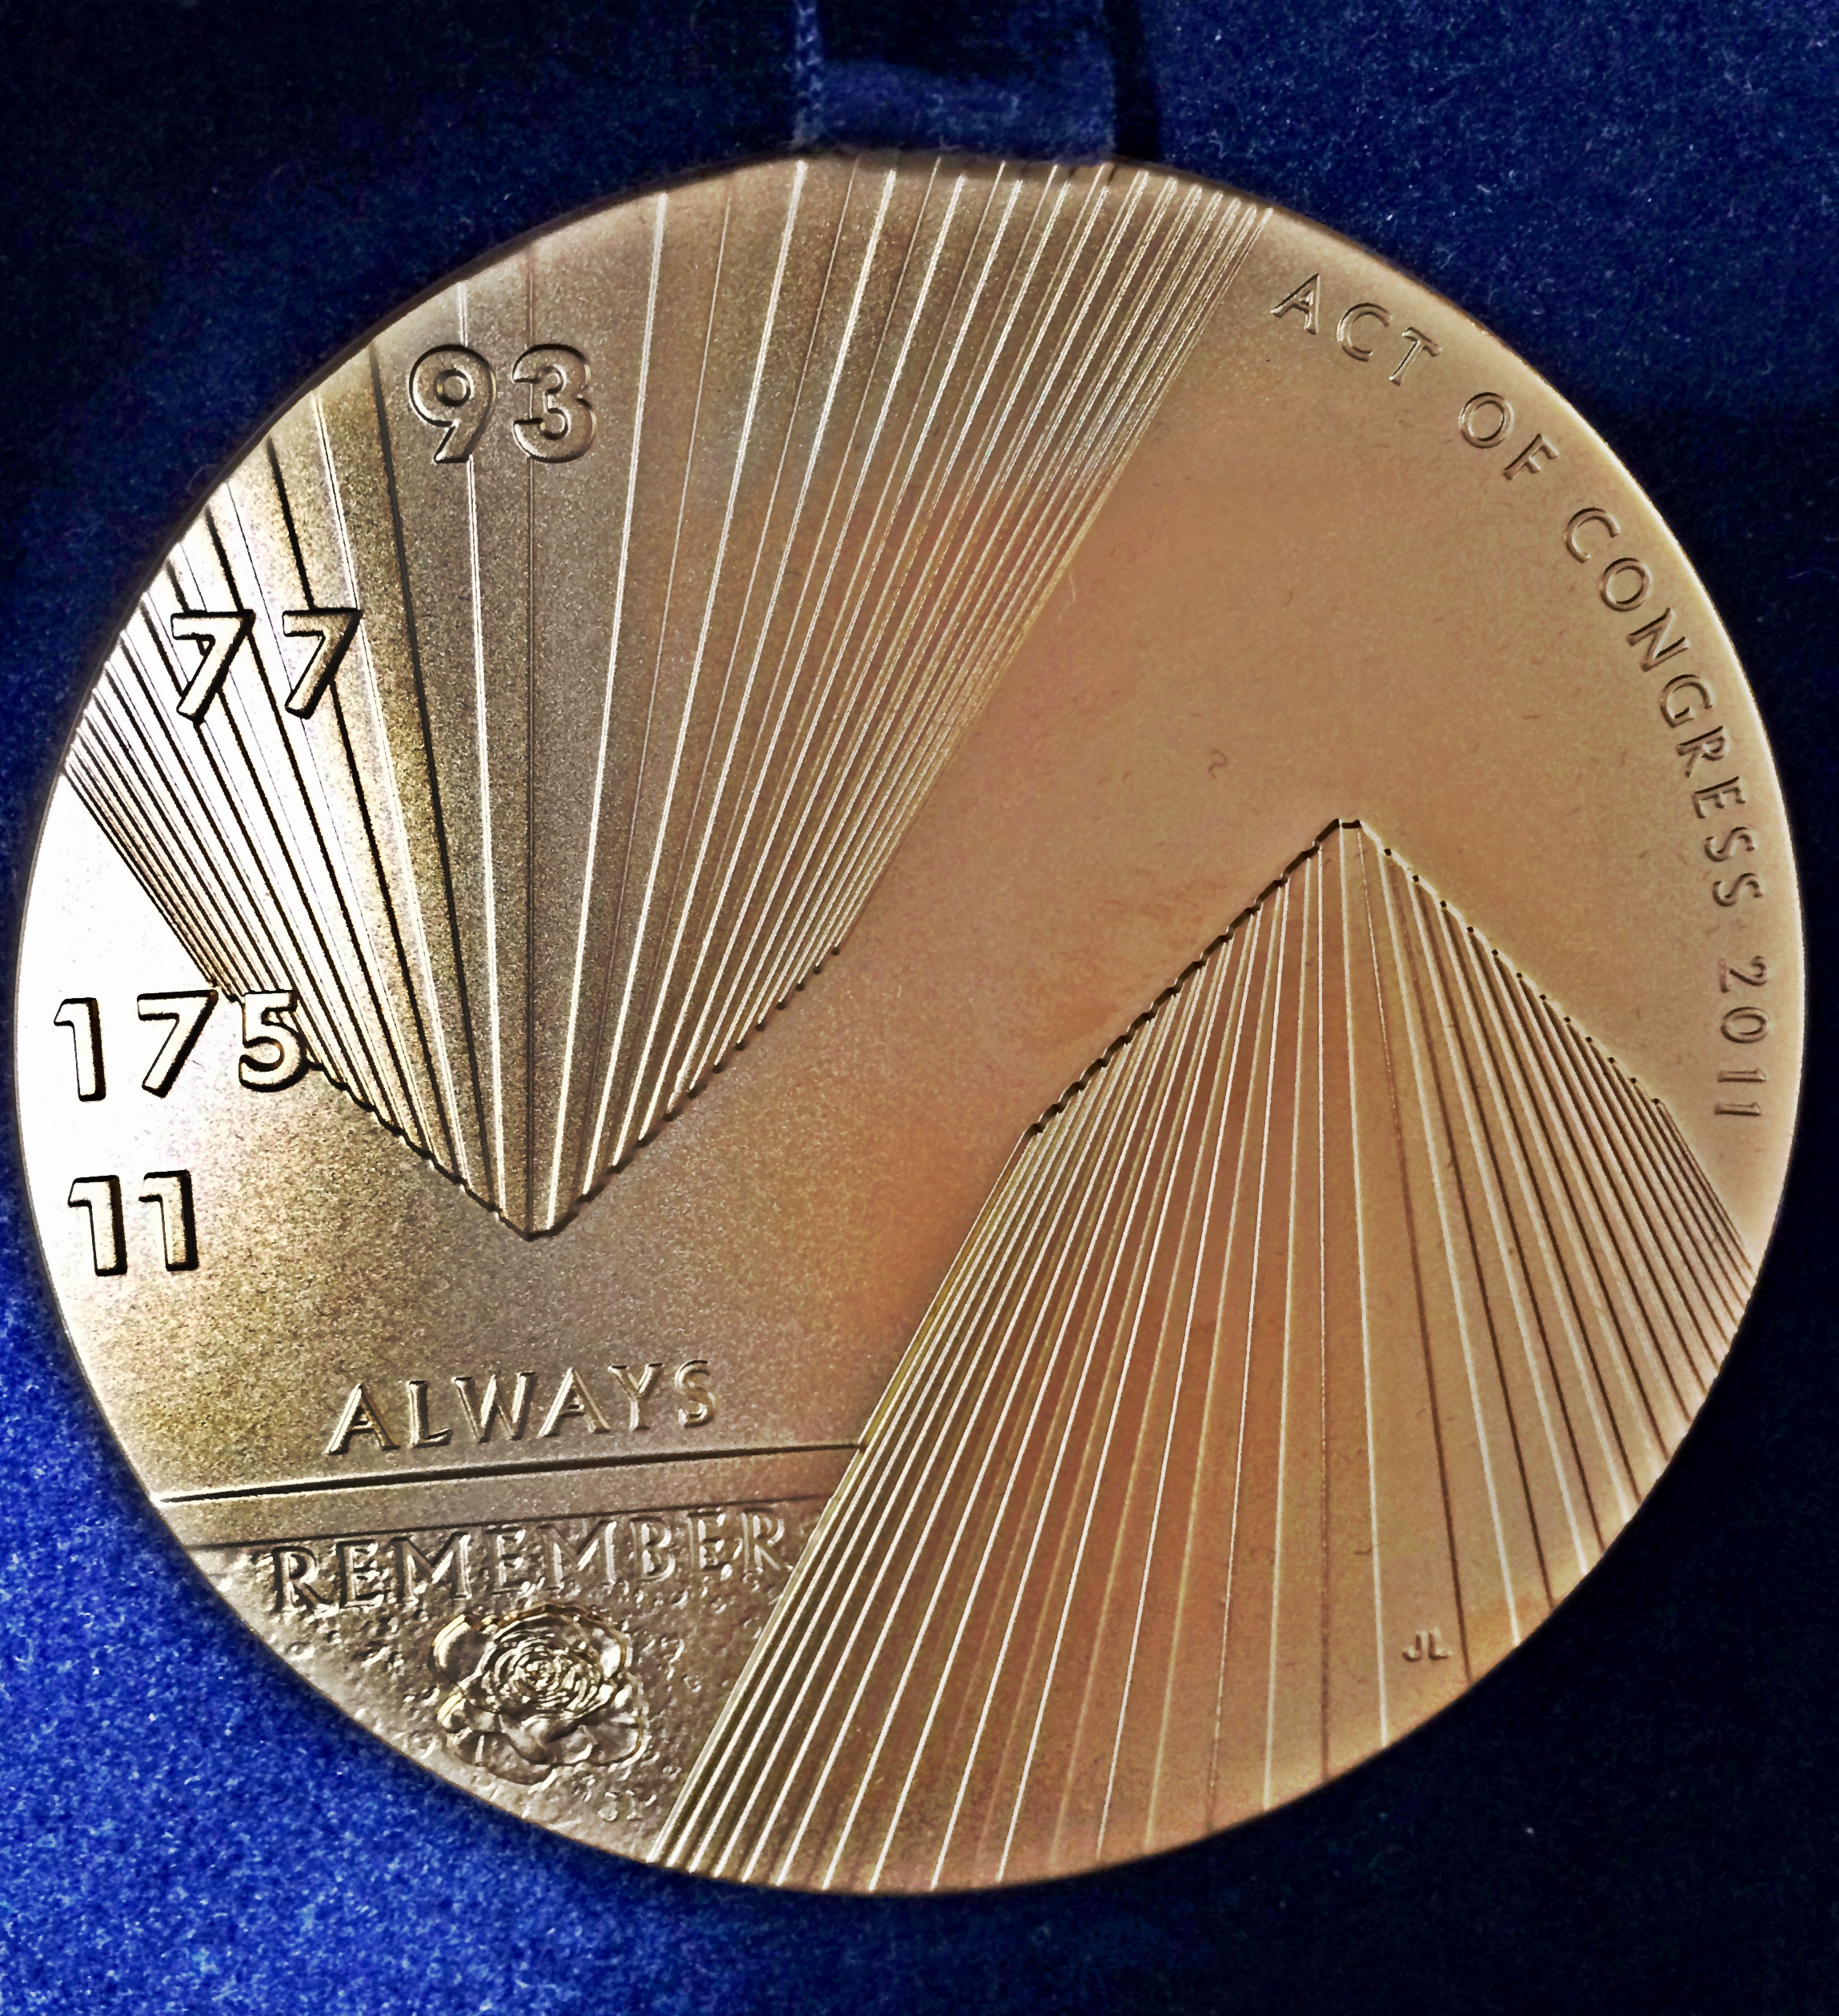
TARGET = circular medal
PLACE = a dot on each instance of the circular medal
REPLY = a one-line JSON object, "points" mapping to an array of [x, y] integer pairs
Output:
{"points": [[901, 1023]]}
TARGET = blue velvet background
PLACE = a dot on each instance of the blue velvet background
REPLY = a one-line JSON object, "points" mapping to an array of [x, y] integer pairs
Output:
{"points": [[203, 200]]}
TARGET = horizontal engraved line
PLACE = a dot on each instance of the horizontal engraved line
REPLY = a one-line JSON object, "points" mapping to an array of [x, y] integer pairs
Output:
{"points": [[465, 1473], [386, 1528]]}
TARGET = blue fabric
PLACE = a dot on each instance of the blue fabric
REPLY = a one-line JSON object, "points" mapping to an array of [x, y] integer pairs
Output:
{"points": [[204, 201]]}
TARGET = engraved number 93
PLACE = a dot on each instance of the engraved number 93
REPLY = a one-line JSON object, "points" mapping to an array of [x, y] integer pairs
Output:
{"points": [[452, 388]]}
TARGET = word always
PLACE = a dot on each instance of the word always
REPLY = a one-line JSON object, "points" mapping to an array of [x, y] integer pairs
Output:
{"points": [[628, 1398]]}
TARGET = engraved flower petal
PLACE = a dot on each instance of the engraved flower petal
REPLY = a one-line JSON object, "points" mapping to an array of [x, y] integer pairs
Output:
{"points": [[538, 1689], [458, 1645]]}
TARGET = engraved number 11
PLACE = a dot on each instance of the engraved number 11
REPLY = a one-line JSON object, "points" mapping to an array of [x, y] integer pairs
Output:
{"points": [[169, 1190]]}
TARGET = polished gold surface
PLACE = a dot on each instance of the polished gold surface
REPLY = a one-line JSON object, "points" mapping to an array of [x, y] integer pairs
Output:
{"points": [[731, 1401], [1309, 1350], [646, 689]]}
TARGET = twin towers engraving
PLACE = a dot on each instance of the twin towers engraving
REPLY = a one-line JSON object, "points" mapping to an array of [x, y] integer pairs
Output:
{"points": [[1308, 1350]]}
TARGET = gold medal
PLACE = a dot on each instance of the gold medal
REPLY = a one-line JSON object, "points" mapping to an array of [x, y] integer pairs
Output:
{"points": [[899, 1024]]}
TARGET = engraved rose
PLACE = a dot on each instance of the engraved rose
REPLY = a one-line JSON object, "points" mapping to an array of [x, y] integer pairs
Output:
{"points": [[542, 1688]]}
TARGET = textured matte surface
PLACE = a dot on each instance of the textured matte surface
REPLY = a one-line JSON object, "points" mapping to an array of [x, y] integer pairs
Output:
{"points": [[205, 201]]}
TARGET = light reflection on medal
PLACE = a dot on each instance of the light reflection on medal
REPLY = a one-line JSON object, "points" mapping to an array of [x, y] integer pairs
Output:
{"points": [[900, 1024]]}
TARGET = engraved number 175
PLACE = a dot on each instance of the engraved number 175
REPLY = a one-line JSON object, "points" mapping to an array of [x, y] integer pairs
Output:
{"points": [[274, 1056]]}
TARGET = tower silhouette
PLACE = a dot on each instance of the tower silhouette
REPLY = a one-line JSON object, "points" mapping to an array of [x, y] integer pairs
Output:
{"points": [[1308, 1351], [542, 767]]}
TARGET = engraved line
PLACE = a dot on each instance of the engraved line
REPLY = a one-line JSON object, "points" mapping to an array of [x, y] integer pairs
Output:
{"points": [[629, 1121], [766, 787], [462, 1473], [612, 1050], [586, 1171], [458, 1136], [408, 930], [1374, 869], [396, 1106]]}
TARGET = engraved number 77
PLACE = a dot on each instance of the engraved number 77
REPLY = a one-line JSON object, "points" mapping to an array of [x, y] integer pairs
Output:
{"points": [[219, 634]]}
